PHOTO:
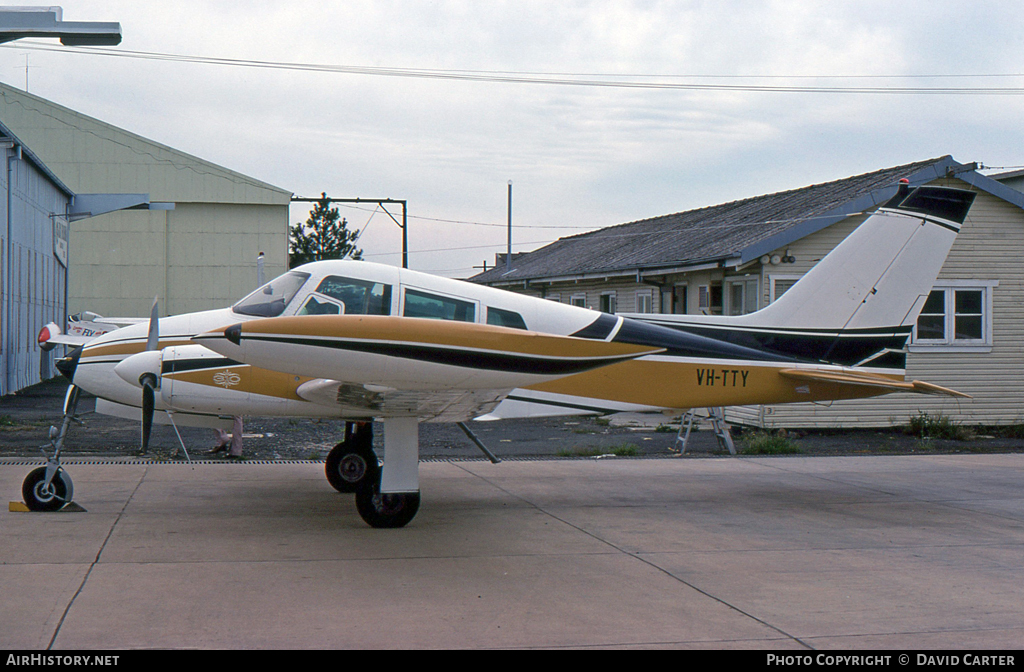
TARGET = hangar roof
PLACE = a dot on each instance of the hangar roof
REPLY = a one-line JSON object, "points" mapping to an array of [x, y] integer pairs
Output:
{"points": [[92, 156]]}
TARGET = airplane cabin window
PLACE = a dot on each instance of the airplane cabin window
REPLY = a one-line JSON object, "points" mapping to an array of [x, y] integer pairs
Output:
{"points": [[431, 306], [271, 299], [505, 318], [360, 297], [319, 305]]}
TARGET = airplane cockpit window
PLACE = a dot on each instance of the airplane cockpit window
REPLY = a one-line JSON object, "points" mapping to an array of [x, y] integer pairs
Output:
{"points": [[359, 297], [505, 318], [432, 306], [271, 299]]}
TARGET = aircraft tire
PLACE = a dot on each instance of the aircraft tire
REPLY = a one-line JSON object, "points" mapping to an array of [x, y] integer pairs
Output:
{"points": [[38, 499], [386, 511], [348, 467]]}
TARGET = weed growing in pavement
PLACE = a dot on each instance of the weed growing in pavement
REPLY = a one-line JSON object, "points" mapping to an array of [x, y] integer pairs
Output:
{"points": [[925, 426], [623, 450], [767, 443]]}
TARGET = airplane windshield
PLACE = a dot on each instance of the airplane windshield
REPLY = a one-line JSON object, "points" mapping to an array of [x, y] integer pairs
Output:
{"points": [[271, 299]]}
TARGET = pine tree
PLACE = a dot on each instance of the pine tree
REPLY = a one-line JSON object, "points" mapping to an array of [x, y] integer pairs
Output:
{"points": [[325, 235]]}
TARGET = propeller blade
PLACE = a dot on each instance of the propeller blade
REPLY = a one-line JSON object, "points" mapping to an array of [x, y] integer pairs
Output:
{"points": [[153, 339], [148, 382]]}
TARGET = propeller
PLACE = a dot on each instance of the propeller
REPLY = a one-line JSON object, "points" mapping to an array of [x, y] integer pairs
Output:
{"points": [[143, 369], [148, 380]]}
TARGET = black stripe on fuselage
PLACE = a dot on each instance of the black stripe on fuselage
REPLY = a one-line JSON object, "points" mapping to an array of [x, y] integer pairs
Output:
{"points": [[846, 347], [679, 343], [471, 359], [182, 365], [599, 329]]}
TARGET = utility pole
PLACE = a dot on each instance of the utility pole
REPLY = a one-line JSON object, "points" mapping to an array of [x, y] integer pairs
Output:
{"points": [[508, 256]]}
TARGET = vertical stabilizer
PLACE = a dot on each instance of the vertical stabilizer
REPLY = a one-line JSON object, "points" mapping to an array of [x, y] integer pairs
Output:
{"points": [[880, 275]]}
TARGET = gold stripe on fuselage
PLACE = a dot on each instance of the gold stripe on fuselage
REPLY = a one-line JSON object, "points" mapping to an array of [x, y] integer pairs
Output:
{"points": [[447, 333], [688, 384], [243, 378], [124, 349]]}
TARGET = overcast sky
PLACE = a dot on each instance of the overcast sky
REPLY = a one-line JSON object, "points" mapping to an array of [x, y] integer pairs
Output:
{"points": [[580, 156]]}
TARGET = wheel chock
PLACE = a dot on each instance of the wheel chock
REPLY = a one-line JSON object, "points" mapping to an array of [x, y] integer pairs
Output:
{"points": [[20, 507]]}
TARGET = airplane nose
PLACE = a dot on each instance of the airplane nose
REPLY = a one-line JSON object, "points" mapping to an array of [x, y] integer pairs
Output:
{"points": [[69, 364]]}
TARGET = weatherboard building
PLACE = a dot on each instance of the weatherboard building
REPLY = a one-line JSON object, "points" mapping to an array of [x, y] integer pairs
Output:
{"points": [[737, 257]]}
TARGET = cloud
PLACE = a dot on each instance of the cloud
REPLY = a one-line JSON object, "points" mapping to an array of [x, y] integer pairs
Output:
{"points": [[579, 156]]}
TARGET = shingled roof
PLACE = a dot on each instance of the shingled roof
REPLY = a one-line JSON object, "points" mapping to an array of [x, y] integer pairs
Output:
{"points": [[733, 232]]}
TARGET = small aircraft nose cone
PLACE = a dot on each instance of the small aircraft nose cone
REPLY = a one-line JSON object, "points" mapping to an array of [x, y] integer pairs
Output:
{"points": [[67, 365], [132, 368]]}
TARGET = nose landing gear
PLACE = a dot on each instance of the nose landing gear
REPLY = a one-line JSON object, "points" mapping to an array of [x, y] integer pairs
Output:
{"points": [[49, 488]]}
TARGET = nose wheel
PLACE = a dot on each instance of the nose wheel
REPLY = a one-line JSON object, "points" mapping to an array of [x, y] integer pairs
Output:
{"points": [[49, 488], [43, 494]]}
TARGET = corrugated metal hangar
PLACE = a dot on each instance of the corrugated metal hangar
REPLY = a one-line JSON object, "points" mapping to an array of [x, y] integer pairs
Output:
{"points": [[33, 247], [106, 220], [201, 254]]}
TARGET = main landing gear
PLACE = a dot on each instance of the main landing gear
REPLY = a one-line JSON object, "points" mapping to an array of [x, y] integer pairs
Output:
{"points": [[49, 488], [352, 467]]}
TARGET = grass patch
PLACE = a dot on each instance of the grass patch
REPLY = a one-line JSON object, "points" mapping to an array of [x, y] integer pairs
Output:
{"points": [[925, 426], [7, 421], [767, 443]]}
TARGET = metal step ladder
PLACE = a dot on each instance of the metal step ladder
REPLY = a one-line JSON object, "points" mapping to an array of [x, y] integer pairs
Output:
{"points": [[717, 417]]}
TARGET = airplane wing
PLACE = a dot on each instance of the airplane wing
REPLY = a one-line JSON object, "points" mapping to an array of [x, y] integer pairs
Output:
{"points": [[433, 405], [81, 331], [869, 380], [401, 366]]}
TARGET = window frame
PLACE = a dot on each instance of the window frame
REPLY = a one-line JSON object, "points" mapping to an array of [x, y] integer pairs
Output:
{"points": [[773, 293], [950, 343], [432, 294]]}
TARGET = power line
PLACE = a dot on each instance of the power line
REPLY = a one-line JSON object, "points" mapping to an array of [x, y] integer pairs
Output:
{"points": [[568, 79]]}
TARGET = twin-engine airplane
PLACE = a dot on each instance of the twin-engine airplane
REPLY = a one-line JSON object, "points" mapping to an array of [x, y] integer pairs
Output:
{"points": [[361, 342]]}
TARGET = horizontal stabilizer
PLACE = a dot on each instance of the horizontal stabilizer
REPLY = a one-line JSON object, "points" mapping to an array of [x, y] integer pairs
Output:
{"points": [[868, 380]]}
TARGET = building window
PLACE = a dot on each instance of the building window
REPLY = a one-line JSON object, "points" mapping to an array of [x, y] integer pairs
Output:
{"points": [[556, 298], [709, 299], [608, 302], [956, 315], [780, 284], [742, 296], [645, 301], [579, 300]]}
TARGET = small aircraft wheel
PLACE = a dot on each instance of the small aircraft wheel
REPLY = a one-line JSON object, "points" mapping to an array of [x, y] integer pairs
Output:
{"points": [[40, 498], [386, 511], [349, 465]]}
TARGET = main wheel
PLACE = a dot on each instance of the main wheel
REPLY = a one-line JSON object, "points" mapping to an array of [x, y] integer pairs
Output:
{"points": [[352, 462], [40, 498], [386, 511]]}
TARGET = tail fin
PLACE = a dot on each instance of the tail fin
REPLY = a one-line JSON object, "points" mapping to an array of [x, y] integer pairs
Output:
{"points": [[881, 274], [858, 305]]}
